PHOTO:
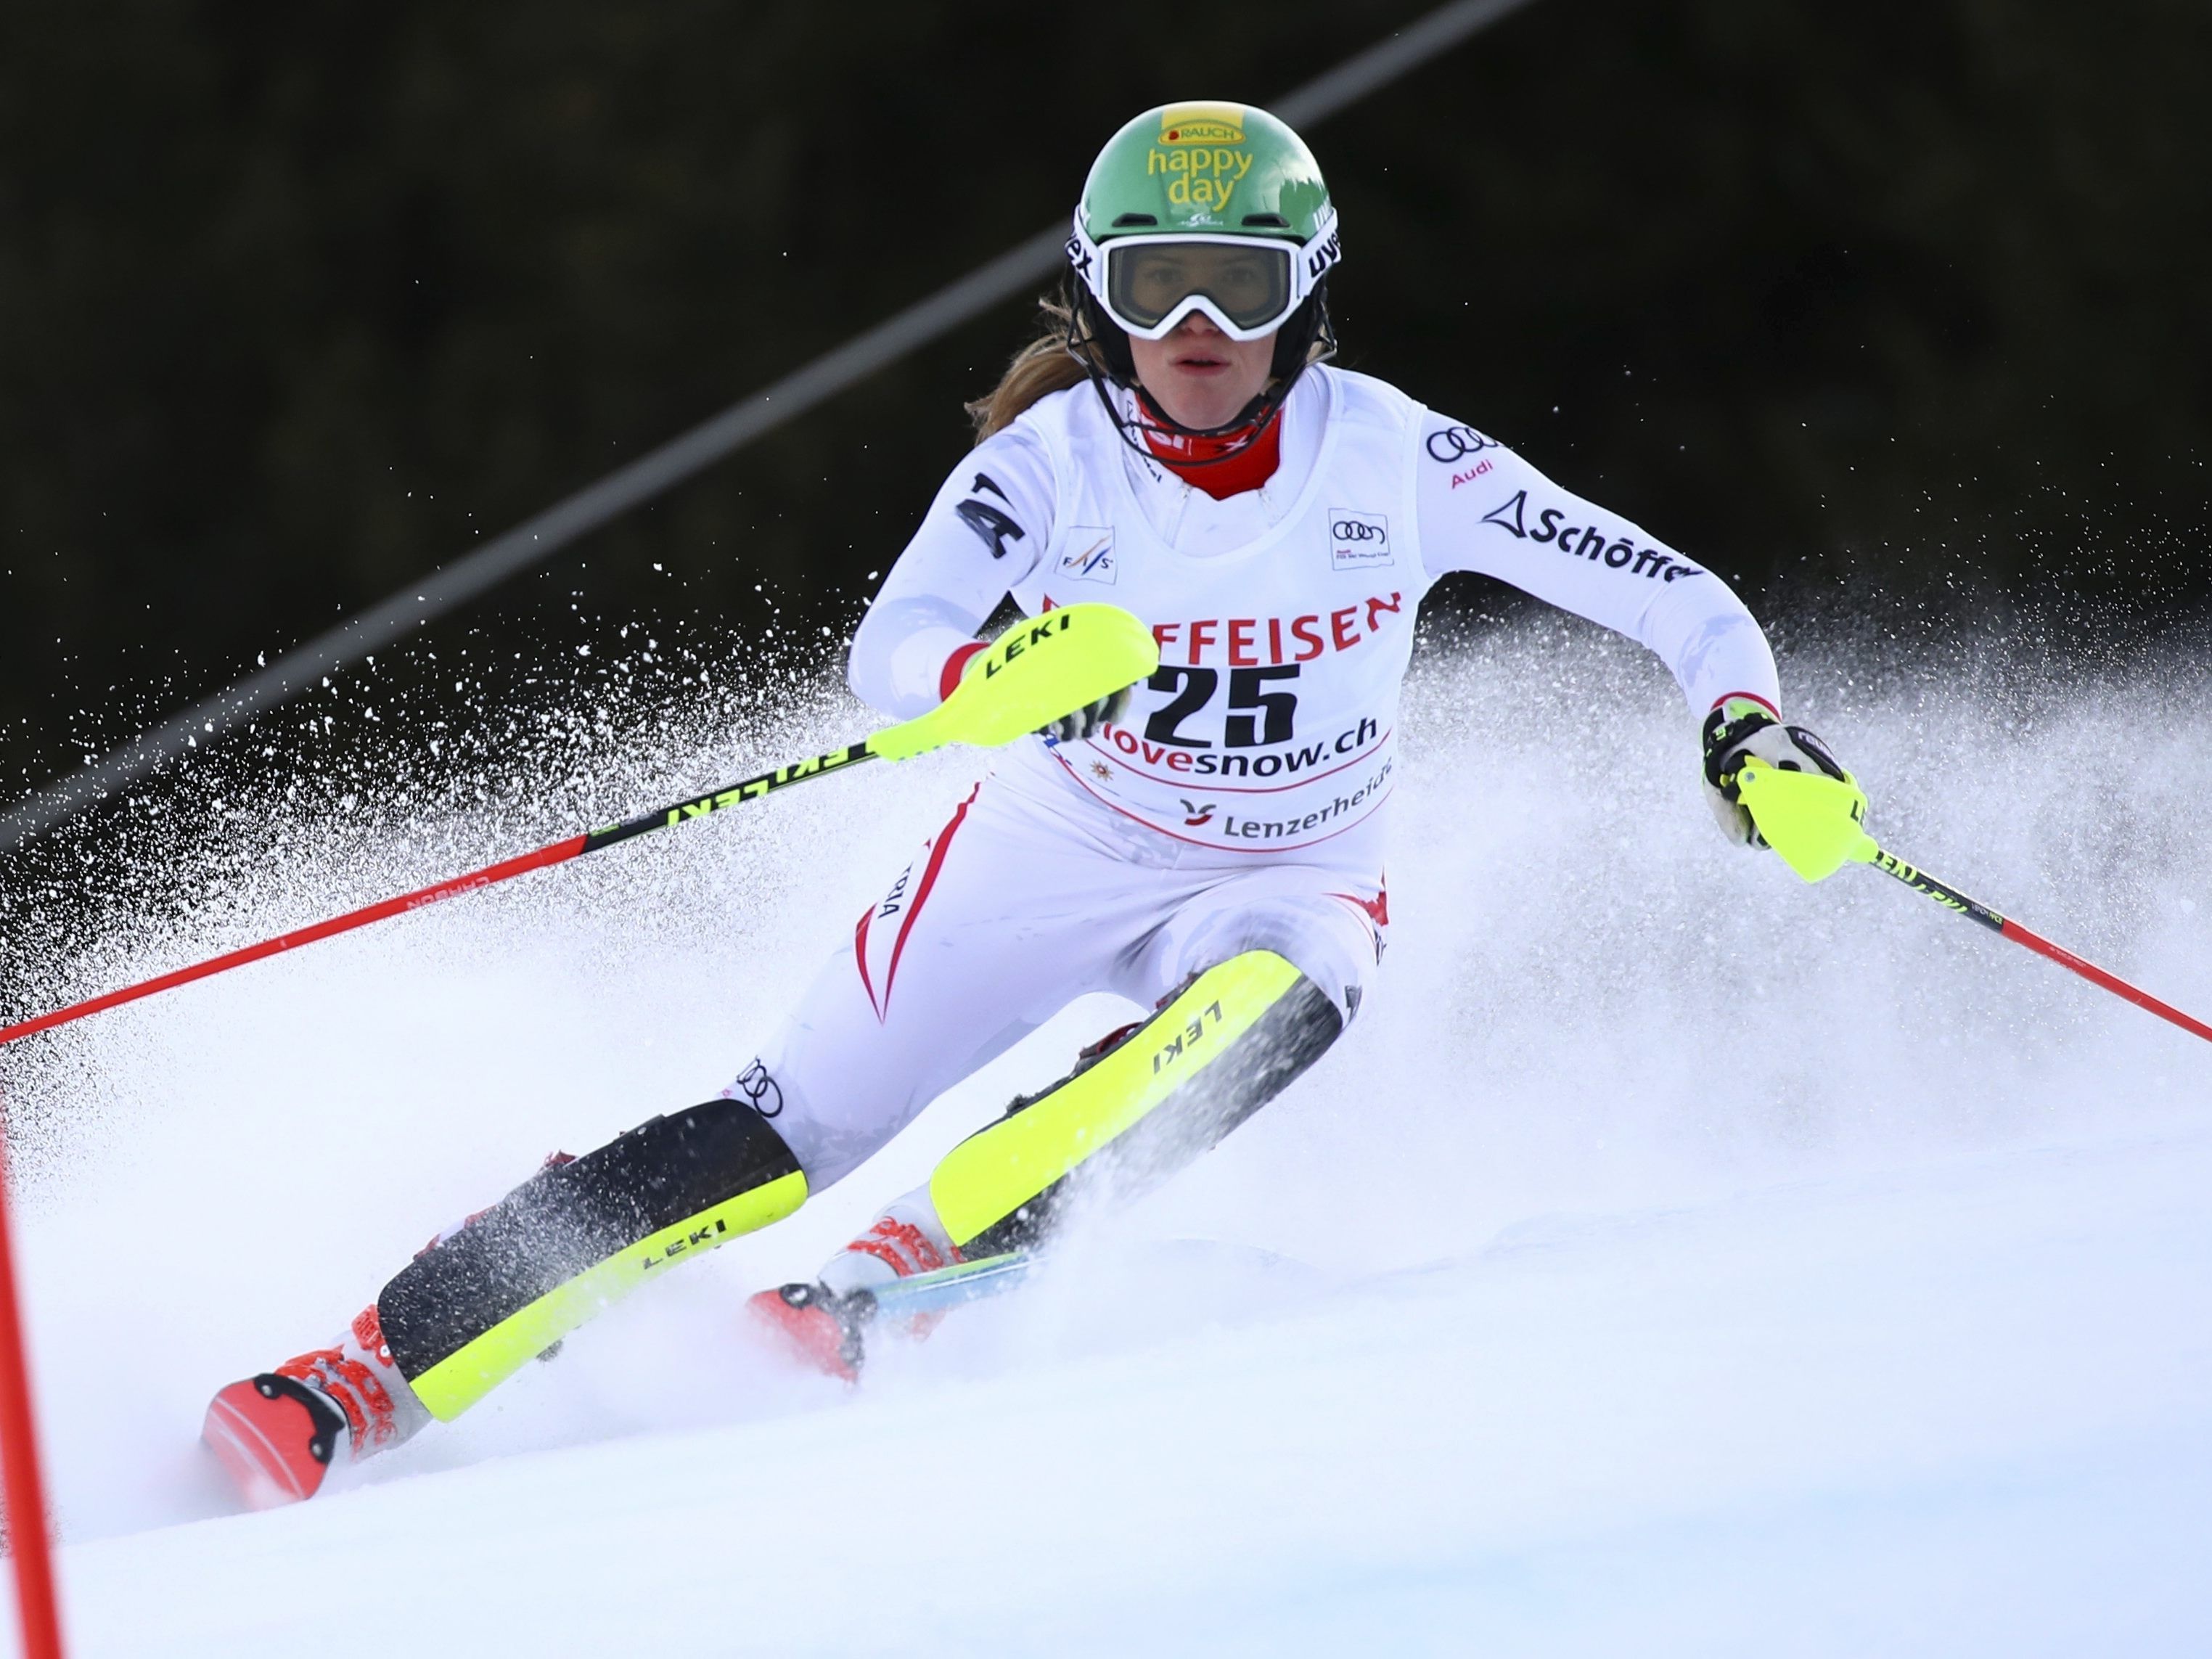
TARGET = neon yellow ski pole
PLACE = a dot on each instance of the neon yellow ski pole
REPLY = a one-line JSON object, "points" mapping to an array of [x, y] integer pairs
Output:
{"points": [[1034, 673], [1816, 824]]}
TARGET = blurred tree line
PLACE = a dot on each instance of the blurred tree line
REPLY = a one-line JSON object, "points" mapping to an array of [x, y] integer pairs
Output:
{"points": [[1899, 305]]}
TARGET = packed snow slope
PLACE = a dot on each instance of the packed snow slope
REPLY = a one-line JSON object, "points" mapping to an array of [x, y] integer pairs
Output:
{"points": [[1672, 1259]]}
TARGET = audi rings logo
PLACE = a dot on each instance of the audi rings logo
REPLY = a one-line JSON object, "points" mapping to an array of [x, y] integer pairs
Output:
{"points": [[1358, 541], [1457, 442], [757, 1087]]}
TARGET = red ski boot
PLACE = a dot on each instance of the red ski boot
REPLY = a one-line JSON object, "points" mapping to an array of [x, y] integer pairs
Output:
{"points": [[823, 1323], [816, 1325], [278, 1434], [274, 1438]]}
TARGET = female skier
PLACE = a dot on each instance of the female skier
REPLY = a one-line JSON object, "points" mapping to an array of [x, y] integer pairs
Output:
{"points": [[1208, 844]]}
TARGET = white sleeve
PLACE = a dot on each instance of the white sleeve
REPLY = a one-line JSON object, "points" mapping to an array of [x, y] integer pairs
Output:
{"points": [[1482, 508], [984, 532]]}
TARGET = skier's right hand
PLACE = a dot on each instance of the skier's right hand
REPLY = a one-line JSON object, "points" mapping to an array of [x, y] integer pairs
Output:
{"points": [[1088, 720], [1073, 728]]}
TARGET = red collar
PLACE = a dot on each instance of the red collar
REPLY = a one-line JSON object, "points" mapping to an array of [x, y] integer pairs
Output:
{"points": [[1191, 458]]}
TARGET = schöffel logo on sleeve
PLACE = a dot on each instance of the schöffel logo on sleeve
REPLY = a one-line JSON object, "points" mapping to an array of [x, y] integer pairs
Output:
{"points": [[1511, 515], [1357, 540], [1089, 556]]}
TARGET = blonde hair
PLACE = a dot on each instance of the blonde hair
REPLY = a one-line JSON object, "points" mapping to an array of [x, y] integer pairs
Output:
{"points": [[1044, 366]]}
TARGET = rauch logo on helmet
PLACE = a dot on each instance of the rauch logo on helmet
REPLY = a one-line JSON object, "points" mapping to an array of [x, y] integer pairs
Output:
{"points": [[1202, 123]]}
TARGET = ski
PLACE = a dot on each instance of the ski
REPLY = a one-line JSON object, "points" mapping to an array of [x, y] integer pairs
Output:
{"points": [[830, 1332], [947, 1287]]}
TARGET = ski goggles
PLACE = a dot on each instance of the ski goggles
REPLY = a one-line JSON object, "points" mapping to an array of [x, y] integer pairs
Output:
{"points": [[1247, 286]]}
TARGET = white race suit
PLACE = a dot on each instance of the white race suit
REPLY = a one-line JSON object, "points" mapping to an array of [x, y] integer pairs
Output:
{"points": [[1240, 803]]}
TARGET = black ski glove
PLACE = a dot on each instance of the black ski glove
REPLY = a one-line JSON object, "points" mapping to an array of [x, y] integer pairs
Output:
{"points": [[1739, 727], [1088, 720]]}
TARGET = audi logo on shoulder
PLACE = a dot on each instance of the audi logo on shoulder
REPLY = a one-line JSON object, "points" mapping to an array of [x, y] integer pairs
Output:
{"points": [[1351, 530], [1456, 442]]}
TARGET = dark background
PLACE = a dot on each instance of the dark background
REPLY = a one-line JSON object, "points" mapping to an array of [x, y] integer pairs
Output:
{"points": [[1896, 308]]}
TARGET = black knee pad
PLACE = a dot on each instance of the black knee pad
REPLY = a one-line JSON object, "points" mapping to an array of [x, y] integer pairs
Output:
{"points": [[465, 1313]]}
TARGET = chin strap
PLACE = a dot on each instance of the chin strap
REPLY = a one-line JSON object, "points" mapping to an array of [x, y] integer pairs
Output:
{"points": [[1103, 351], [1152, 420]]}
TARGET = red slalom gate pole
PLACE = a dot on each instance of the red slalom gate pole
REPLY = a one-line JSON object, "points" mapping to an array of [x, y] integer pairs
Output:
{"points": [[19, 1459]]}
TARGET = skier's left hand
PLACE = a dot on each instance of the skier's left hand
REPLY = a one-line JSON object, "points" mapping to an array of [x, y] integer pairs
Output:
{"points": [[1739, 728], [1088, 720]]}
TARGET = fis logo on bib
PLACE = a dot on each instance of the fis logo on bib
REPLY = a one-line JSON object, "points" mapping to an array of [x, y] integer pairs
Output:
{"points": [[1357, 540], [1090, 554]]}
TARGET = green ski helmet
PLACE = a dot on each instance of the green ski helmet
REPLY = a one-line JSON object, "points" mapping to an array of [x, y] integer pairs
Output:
{"points": [[1210, 207]]}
